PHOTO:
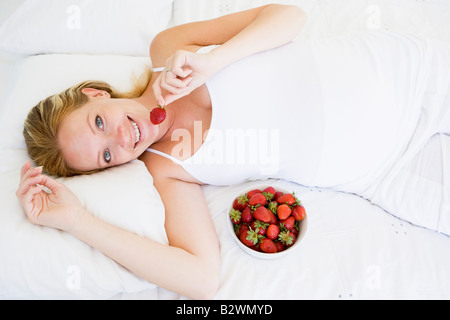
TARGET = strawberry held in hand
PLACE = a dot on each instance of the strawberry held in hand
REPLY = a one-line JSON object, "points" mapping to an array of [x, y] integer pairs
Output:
{"points": [[157, 115]]}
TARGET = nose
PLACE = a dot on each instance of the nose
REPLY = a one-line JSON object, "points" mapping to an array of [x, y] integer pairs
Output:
{"points": [[122, 139]]}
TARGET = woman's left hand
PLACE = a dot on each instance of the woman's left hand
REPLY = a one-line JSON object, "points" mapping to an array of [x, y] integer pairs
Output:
{"points": [[185, 71]]}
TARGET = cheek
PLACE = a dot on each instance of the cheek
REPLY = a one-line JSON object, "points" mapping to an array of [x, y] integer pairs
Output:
{"points": [[120, 156], [153, 131]]}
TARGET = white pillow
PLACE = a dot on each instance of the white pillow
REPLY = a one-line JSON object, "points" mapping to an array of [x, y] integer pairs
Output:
{"points": [[197, 10], [85, 26], [43, 263], [39, 262]]}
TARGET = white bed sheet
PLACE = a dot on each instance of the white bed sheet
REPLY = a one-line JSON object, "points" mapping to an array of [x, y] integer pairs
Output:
{"points": [[353, 249]]}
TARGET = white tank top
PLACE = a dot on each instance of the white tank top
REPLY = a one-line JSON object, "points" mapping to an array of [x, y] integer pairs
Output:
{"points": [[329, 112]]}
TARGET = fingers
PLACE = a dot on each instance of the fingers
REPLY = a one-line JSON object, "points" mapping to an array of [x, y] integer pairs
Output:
{"points": [[33, 182], [50, 183], [28, 172], [174, 80], [180, 72], [30, 179], [30, 186], [175, 87], [172, 85], [25, 168], [171, 79], [27, 198], [179, 62]]}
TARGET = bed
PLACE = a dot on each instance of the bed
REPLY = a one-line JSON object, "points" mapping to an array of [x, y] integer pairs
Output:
{"points": [[353, 249]]}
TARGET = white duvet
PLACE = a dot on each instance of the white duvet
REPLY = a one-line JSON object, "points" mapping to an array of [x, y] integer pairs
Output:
{"points": [[417, 186]]}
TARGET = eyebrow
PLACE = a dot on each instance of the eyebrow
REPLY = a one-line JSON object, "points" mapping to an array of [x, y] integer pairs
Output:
{"points": [[99, 162]]}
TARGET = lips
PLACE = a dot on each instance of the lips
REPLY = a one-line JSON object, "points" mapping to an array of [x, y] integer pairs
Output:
{"points": [[136, 130]]}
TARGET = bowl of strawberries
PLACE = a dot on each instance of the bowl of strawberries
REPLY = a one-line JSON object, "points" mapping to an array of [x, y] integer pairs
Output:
{"points": [[267, 222]]}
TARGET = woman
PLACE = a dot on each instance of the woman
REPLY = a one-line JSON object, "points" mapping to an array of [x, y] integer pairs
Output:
{"points": [[255, 85], [193, 255]]}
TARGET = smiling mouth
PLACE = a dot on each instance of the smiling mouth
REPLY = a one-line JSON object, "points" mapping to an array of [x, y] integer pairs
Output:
{"points": [[136, 131]]}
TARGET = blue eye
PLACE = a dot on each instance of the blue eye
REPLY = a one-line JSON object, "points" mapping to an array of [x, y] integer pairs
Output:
{"points": [[107, 156], [99, 122]]}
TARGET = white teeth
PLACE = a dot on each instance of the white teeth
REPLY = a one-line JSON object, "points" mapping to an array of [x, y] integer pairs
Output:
{"points": [[136, 130]]}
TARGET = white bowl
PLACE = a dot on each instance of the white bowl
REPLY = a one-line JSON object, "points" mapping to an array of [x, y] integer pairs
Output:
{"points": [[262, 255]]}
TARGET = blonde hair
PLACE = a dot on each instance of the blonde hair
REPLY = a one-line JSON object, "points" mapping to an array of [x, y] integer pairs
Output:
{"points": [[43, 121]]}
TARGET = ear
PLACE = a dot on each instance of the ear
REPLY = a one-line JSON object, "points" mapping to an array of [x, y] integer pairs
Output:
{"points": [[95, 93]]}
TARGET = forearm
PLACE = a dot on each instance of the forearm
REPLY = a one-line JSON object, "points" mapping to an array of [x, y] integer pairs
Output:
{"points": [[274, 26], [239, 34], [170, 267]]}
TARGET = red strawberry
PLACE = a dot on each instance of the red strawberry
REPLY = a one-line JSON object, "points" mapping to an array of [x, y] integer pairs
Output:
{"points": [[252, 192], [283, 211], [277, 195], [288, 223], [270, 190], [235, 216], [269, 193], [273, 218], [247, 215], [287, 198], [280, 246], [298, 212], [287, 238], [158, 114], [268, 246], [262, 214], [294, 230], [236, 205], [240, 202], [272, 206], [257, 198], [272, 231], [259, 227], [240, 229], [249, 238]]}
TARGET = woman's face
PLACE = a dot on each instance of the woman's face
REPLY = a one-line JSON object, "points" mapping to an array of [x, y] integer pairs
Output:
{"points": [[105, 132]]}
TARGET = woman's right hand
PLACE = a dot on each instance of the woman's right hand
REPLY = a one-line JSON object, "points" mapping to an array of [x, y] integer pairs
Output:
{"points": [[58, 209], [184, 72]]}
